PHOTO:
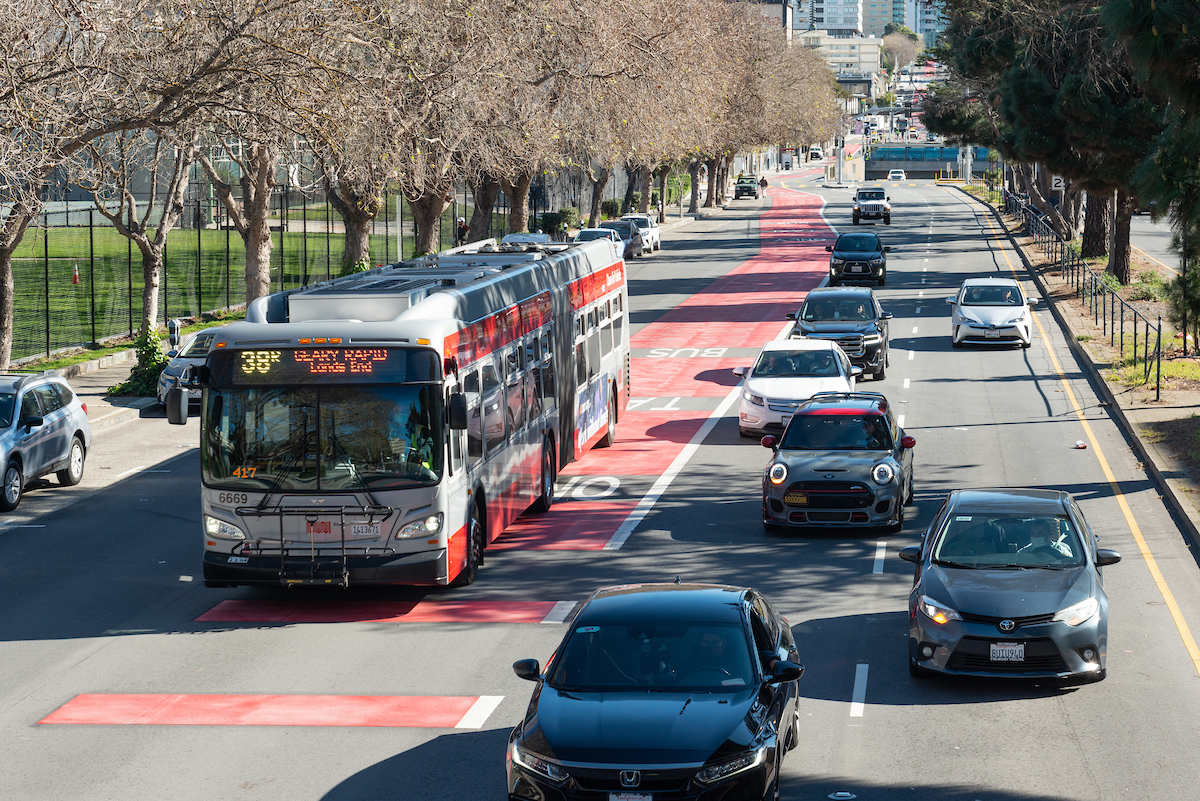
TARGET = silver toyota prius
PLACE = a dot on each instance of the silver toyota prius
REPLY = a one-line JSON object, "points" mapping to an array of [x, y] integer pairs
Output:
{"points": [[1009, 583]]}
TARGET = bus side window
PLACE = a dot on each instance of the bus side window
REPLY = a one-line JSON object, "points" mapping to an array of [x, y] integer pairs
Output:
{"points": [[593, 347], [533, 363], [456, 451], [618, 330], [474, 416], [493, 407], [606, 338], [581, 370], [515, 391], [549, 396]]}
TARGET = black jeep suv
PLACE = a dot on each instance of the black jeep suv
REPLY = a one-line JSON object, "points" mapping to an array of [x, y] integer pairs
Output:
{"points": [[852, 317]]}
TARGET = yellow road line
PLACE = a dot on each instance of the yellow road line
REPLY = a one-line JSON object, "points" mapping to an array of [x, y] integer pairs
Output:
{"points": [[1176, 614], [1151, 258]]}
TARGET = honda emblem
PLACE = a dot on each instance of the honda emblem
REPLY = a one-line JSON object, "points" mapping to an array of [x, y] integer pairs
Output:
{"points": [[631, 778]]}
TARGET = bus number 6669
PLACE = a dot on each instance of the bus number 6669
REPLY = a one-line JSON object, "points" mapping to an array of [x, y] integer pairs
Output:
{"points": [[232, 497]]}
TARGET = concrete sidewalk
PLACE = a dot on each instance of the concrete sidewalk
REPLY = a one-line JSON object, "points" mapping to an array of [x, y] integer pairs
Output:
{"points": [[91, 381]]}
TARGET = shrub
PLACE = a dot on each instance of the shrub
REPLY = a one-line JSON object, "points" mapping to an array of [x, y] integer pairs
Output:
{"points": [[1180, 301], [570, 217], [551, 222], [610, 208], [1148, 286], [143, 379]]}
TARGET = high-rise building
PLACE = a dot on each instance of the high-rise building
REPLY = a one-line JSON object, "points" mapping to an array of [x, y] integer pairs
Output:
{"points": [[841, 18], [925, 19]]}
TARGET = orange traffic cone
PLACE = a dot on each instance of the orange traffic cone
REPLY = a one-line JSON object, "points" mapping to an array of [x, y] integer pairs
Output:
{"points": [[75, 275]]}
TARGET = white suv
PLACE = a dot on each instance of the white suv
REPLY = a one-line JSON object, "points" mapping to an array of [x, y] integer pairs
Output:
{"points": [[897, 175], [651, 239], [788, 372]]}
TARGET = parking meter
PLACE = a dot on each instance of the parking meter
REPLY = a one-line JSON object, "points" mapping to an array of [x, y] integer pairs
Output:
{"points": [[173, 326]]}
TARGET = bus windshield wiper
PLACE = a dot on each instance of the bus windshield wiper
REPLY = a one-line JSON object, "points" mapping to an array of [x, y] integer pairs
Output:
{"points": [[349, 460], [293, 450]]}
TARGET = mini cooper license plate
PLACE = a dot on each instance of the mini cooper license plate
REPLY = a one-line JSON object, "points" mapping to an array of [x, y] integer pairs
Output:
{"points": [[795, 498], [991, 334], [1008, 651]]}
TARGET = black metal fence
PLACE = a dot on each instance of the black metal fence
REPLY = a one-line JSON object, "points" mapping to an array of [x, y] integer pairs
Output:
{"points": [[1108, 309]]}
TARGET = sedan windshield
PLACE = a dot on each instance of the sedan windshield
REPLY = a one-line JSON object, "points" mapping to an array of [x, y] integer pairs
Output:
{"points": [[819, 310], [659, 655], [324, 438], [992, 540], [837, 432], [991, 296], [857, 244], [796, 363], [198, 346]]}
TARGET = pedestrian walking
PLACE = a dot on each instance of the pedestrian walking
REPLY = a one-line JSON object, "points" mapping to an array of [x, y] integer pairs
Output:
{"points": [[463, 232]]}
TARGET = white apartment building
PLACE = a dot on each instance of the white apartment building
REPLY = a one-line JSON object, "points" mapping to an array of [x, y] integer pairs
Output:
{"points": [[844, 55]]}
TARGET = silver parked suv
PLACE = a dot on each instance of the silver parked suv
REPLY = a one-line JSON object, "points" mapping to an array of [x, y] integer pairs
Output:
{"points": [[43, 429]]}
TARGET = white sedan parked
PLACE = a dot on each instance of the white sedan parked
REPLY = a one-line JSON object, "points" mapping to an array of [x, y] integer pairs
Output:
{"points": [[991, 310], [651, 236], [789, 371]]}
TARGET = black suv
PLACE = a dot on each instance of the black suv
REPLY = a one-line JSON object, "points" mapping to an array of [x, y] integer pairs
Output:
{"points": [[852, 317], [858, 257]]}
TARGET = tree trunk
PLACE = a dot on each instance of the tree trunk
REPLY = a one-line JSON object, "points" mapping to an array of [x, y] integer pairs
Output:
{"points": [[1095, 227], [518, 195], [1118, 257], [152, 264], [694, 172], [1038, 198], [484, 191], [357, 209], [427, 214], [598, 180], [710, 200], [250, 215], [647, 190], [11, 233], [632, 174], [663, 171]]}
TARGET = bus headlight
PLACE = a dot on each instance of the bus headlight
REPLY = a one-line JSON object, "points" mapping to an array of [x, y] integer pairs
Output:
{"points": [[426, 527], [221, 530]]}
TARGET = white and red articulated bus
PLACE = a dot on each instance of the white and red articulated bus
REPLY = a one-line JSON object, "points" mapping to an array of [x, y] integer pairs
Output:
{"points": [[385, 427]]}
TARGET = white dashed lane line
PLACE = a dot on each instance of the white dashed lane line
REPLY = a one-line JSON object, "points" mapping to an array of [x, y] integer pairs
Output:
{"points": [[858, 699], [880, 555], [908, 379]]}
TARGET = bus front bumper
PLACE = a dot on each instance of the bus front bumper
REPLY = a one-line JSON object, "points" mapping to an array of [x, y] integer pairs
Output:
{"points": [[424, 568]]}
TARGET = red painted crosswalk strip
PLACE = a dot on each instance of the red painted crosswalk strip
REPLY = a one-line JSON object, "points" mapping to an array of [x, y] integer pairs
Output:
{"points": [[378, 612], [267, 710]]}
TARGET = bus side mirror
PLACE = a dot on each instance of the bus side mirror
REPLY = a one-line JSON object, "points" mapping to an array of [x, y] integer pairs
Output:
{"points": [[458, 411], [177, 406]]}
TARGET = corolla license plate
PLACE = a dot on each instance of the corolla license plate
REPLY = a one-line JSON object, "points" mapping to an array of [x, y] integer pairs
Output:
{"points": [[991, 334], [364, 530], [630, 797], [1008, 651]]}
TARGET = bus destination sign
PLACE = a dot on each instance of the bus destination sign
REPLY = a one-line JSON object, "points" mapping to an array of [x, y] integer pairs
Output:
{"points": [[317, 365]]}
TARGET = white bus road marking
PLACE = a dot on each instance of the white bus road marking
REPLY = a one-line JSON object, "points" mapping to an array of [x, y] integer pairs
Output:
{"points": [[859, 697], [479, 712], [880, 555], [580, 494], [558, 614], [561, 490], [670, 407]]}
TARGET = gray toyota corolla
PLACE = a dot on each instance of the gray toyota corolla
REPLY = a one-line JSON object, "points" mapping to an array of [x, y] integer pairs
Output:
{"points": [[1009, 583]]}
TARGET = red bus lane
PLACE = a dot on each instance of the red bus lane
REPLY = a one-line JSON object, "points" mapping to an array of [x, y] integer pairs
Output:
{"points": [[682, 355]]}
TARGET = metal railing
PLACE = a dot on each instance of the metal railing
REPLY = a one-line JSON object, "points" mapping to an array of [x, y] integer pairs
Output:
{"points": [[1108, 309]]}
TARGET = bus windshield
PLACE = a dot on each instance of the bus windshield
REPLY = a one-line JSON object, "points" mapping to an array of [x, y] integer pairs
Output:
{"points": [[321, 439]]}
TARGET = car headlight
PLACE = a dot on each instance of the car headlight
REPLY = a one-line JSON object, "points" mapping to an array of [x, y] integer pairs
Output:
{"points": [[882, 473], [755, 399], [872, 339], [730, 767], [1078, 613], [877, 262], [221, 530], [1017, 319], [777, 473], [835, 262], [970, 318], [935, 611], [540, 766], [424, 527]]}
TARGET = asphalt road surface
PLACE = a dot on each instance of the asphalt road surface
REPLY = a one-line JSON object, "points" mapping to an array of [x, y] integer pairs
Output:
{"points": [[105, 619]]}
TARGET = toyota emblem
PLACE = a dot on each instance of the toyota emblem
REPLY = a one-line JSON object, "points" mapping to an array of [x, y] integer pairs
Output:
{"points": [[631, 778], [1007, 625]]}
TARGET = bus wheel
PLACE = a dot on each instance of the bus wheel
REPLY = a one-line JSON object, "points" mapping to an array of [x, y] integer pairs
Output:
{"points": [[610, 436], [474, 549], [14, 485], [546, 498]]}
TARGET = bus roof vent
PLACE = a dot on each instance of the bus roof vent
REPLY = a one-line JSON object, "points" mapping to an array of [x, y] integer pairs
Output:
{"points": [[373, 298]]}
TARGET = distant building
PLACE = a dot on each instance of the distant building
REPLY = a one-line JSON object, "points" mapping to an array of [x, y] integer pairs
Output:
{"points": [[859, 54], [839, 18], [925, 19]]}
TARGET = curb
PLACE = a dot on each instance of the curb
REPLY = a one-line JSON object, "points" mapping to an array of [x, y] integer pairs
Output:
{"points": [[1183, 513], [120, 414]]}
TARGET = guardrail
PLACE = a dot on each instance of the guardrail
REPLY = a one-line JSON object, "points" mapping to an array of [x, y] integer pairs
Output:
{"points": [[1108, 309]]}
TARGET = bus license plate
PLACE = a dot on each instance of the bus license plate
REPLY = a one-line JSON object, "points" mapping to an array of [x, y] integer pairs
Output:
{"points": [[991, 334], [1008, 651], [364, 530]]}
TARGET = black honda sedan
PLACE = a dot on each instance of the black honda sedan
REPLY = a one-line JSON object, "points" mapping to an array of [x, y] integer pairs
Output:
{"points": [[660, 691]]}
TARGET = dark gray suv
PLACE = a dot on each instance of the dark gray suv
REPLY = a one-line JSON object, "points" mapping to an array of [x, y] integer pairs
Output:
{"points": [[858, 257], [851, 317], [43, 429]]}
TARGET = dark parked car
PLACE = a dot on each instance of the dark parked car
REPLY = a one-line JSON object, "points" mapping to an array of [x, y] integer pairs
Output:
{"points": [[631, 236], [852, 317], [660, 691], [1009, 583], [858, 257], [746, 186]]}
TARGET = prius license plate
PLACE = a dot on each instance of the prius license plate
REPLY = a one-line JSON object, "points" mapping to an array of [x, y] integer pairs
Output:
{"points": [[630, 797], [1008, 651], [364, 530], [991, 334]]}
